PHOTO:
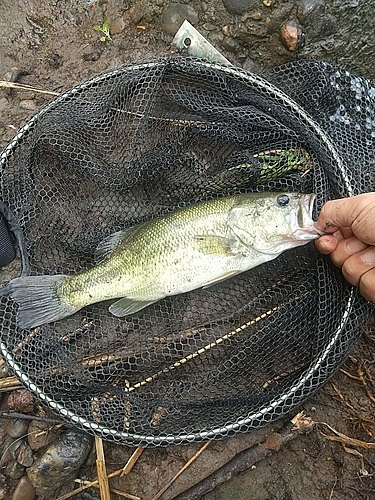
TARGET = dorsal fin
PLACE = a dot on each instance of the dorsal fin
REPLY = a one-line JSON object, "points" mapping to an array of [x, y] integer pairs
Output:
{"points": [[112, 243]]}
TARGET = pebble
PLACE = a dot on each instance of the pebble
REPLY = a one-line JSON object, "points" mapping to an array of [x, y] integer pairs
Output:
{"points": [[308, 9], [4, 103], [24, 490], [14, 470], [24, 455], [61, 460], [136, 12], [290, 35], [231, 45], [117, 26], [28, 104], [4, 368], [20, 400], [16, 428], [175, 14], [3, 492], [40, 435], [238, 6]]}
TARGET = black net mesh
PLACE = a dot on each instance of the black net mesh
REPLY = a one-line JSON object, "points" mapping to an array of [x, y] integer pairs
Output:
{"points": [[139, 142]]}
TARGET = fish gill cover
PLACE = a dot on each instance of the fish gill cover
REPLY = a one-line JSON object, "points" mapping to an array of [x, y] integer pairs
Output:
{"points": [[140, 143]]}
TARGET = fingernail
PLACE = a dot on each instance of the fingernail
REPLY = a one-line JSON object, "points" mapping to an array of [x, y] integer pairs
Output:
{"points": [[354, 245], [369, 256]]}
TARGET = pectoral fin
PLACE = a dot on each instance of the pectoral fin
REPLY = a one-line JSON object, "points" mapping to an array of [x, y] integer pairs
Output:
{"points": [[214, 245], [221, 278], [126, 306]]}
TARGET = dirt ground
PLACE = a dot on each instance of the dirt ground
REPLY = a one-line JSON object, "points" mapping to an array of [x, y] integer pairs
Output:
{"points": [[52, 46]]}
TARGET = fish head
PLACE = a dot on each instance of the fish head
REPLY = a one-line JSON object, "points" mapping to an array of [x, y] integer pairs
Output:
{"points": [[273, 222]]}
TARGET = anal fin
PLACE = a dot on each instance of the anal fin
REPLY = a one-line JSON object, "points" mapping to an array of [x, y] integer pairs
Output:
{"points": [[126, 306]]}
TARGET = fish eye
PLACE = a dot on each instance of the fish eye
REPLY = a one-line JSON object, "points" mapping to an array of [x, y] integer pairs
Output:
{"points": [[283, 200]]}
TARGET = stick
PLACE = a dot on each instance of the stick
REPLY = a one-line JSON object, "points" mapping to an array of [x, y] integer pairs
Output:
{"points": [[132, 461], [101, 469], [89, 485], [112, 490], [247, 458], [201, 450], [12, 85], [10, 384], [24, 416]]}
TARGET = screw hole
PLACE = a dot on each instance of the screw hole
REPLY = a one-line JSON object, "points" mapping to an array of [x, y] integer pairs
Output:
{"points": [[187, 42]]}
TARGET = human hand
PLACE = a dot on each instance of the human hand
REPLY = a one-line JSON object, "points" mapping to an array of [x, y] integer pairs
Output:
{"points": [[351, 244]]}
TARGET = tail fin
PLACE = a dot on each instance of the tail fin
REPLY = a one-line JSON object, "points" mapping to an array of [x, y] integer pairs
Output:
{"points": [[38, 300]]}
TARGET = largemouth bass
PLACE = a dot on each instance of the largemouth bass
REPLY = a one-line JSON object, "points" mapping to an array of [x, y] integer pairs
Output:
{"points": [[193, 247]]}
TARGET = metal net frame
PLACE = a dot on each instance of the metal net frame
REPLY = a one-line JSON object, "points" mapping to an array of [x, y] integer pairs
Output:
{"points": [[138, 142]]}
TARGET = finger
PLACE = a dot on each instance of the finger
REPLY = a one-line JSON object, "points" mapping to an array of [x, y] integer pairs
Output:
{"points": [[346, 211], [346, 232], [357, 265], [345, 249], [367, 285], [326, 244]]}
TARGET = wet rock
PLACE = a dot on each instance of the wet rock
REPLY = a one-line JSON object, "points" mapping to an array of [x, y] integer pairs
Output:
{"points": [[174, 15], [55, 61], [4, 103], [16, 428], [291, 35], [24, 490], [92, 56], [238, 6], [314, 16], [24, 455], [231, 45], [117, 26], [3, 492], [29, 104], [280, 16], [40, 435], [14, 470], [20, 400], [308, 9], [136, 12], [250, 65], [4, 368], [61, 460]]}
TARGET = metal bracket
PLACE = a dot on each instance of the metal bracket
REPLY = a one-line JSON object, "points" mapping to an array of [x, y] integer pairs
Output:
{"points": [[190, 40]]}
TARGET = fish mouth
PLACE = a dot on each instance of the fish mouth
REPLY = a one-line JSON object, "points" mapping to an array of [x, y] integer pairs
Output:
{"points": [[304, 217]]}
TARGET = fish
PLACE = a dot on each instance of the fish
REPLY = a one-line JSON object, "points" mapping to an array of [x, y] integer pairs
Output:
{"points": [[193, 247]]}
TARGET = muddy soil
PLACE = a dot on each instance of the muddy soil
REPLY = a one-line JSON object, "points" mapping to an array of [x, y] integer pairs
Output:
{"points": [[52, 45]]}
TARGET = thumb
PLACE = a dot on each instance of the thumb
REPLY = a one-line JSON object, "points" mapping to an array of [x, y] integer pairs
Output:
{"points": [[346, 211]]}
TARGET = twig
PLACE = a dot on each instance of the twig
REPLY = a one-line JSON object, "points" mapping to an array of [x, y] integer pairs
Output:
{"points": [[333, 489], [132, 461], [188, 463], [12, 85], [112, 490], [354, 377], [88, 485], [101, 469], [346, 440], [10, 384], [247, 458], [23, 416]]}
